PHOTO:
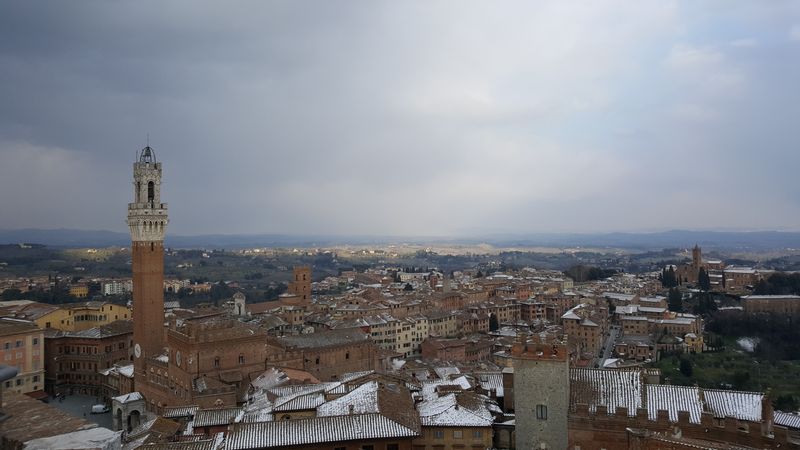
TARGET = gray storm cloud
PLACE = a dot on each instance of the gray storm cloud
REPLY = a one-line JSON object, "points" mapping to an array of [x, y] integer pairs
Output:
{"points": [[406, 118]]}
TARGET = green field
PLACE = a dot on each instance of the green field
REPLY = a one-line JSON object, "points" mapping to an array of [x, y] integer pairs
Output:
{"points": [[734, 368]]}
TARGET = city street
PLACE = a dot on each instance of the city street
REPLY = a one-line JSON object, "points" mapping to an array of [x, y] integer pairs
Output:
{"points": [[613, 334]]}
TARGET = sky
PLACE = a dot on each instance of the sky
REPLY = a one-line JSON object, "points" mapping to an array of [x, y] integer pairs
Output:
{"points": [[413, 118]]}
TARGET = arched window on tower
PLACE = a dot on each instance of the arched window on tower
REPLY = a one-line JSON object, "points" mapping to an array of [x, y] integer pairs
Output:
{"points": [[151, 191]]}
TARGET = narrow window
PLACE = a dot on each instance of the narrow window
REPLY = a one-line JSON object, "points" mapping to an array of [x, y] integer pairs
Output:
{"points": [[151, 191], [541, 412], [216, 361]]}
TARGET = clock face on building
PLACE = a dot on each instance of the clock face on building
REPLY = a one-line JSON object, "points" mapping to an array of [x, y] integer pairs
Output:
{"points": [[137, 350], [178, 357]]}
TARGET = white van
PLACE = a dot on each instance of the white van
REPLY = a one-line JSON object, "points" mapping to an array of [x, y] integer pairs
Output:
{"points": [[100, 409]]}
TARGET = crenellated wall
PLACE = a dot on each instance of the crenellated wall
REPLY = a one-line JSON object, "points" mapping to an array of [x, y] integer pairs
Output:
{"points": [[603, 430]]}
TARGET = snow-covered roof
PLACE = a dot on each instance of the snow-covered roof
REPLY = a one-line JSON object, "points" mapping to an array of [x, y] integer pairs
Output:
{"points": [[292, 389], [738, 404], [257, 415], [491, 381], [429, 387], [299, 401], [96, 438], [619, 388], [131, 397], [451, 410], [570, 315], [618, 296], [444, 372], [362, 400], [315, 430], [787, 420], [350, 376], [652, 309], [215, 417], [610, 388], [179, 411], [126, 371], [673, 399]]}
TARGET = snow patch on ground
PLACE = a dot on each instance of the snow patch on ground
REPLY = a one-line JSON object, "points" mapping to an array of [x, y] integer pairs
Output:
{"points": [[748, 344]]}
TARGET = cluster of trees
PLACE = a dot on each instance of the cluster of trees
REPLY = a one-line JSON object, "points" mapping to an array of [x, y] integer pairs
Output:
{"points": [[57, 295], [675, 300], [703, 280], [779, 283], [704, 304], [668, 277], [581, 273], [272, 292], [778, 334]]}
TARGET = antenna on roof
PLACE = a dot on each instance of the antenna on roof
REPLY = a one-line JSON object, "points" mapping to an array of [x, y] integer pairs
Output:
{"points": [[148, 139]]}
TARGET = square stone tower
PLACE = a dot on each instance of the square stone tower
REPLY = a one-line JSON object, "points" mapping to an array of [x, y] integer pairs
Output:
{"points": [[300, 286], [147, 220], [541, 391]]}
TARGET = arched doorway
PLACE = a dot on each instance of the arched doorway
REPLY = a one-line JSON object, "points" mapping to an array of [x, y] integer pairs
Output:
{"points": [[133, 420]]}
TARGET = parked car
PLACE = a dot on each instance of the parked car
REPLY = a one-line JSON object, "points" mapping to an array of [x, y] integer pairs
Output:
{"points": [[100, 409]]}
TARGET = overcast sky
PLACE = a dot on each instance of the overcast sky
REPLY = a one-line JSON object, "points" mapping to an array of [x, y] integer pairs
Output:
{"points": [[405, 118]]}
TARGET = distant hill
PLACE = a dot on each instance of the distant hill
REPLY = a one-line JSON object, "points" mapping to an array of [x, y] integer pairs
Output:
{"points": [[719, 240]]}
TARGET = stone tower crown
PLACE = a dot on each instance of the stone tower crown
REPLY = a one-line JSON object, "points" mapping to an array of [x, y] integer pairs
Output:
{"points": [[147, 216]]}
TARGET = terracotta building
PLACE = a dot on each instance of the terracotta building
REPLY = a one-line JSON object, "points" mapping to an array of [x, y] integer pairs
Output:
{"points": [[776, 304], [452, 421], [76, 358], [299, 289]]}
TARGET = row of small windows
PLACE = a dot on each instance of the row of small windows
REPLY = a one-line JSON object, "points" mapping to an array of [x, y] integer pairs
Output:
{"points": [[19, 343], [19, 381], [216, 360], [458, 434]]}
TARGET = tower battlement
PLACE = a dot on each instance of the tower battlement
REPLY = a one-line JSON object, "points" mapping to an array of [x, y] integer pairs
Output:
{"points": [[147, 215], [542, 346]]}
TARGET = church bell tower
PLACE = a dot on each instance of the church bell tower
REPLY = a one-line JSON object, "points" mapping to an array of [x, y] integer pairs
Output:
{"points": [[147, 220]]}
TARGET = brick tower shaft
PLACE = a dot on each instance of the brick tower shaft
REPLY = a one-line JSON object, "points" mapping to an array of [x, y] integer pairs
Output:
{"points": [[148, 296]]}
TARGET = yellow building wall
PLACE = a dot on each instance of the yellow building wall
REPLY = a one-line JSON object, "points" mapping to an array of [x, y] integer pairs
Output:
{"points": [[28, 359], [81, 317]]}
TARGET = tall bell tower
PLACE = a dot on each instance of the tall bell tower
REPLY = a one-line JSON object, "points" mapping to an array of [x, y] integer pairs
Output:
{"points": [[147, 219]]}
